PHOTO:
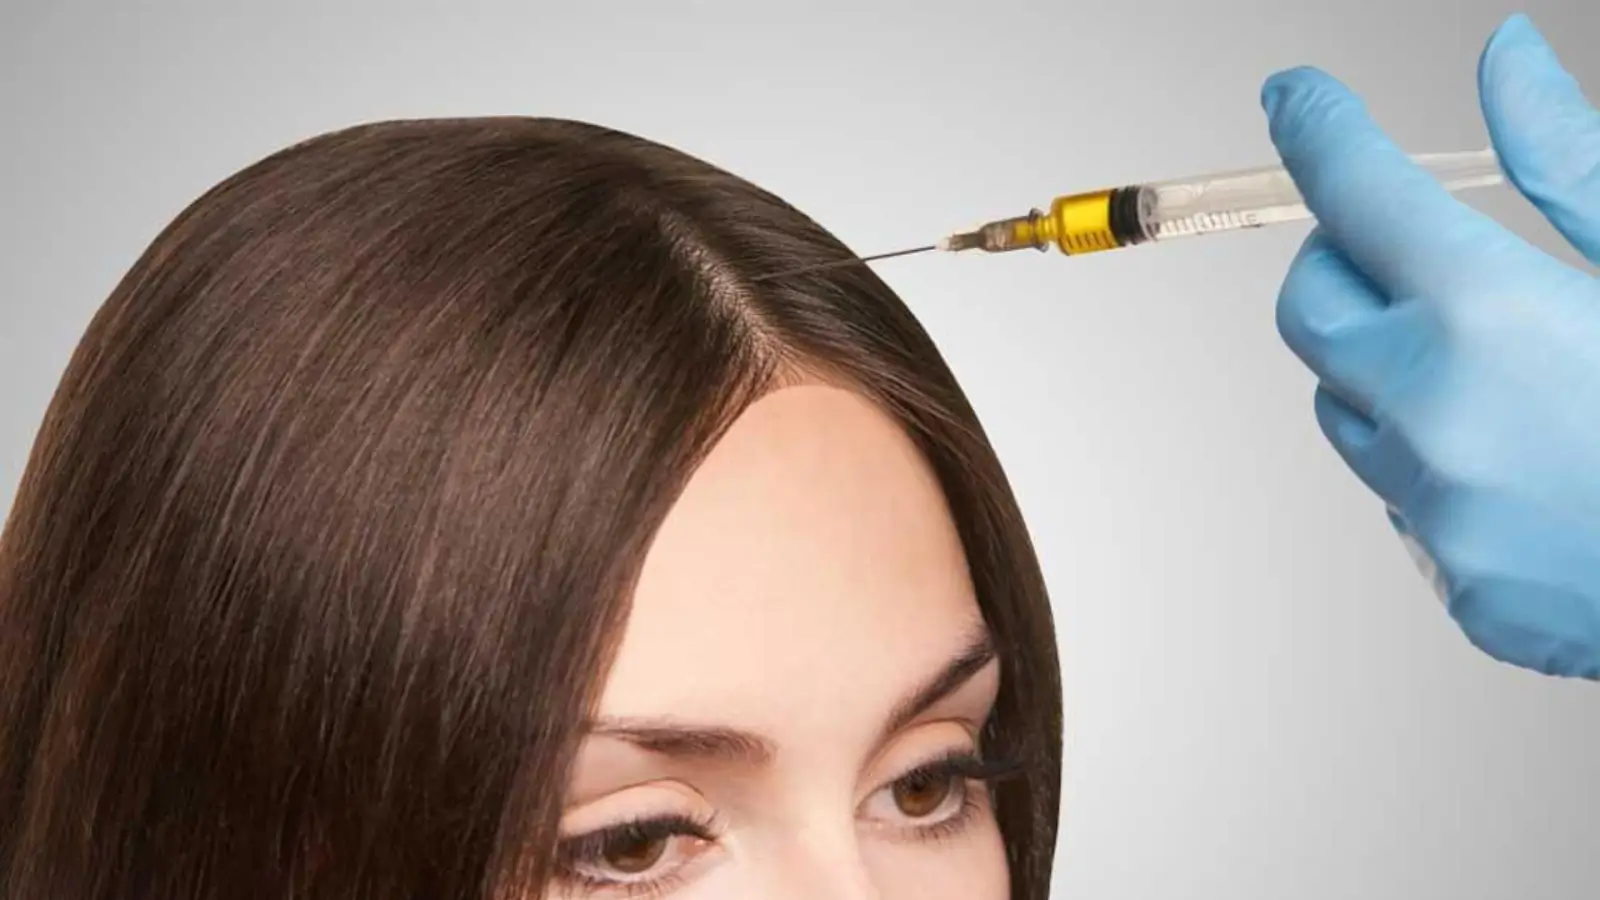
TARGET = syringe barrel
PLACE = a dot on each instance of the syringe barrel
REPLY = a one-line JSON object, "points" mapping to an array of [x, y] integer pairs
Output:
{"points": [[1253, 198], [1108, 219]]}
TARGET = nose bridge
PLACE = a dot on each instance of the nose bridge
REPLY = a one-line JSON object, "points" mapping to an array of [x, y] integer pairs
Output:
{"points": [[822, 862]]}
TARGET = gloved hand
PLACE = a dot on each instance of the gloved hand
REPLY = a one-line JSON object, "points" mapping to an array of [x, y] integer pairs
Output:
{"points": [[1459, 366]]}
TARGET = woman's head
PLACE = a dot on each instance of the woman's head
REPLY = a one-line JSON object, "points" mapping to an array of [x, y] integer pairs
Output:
{"points": [[450, 508]]}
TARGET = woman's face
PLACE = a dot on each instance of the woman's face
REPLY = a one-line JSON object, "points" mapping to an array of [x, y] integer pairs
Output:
{"points": [[795, 706]]}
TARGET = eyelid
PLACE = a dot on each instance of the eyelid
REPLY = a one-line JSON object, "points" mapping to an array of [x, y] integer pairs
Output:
{"points": [[921, 745], [662, 826], [970, 766], [644, 801]]}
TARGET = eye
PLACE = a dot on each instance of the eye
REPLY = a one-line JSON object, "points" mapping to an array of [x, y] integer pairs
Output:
{"points": [[634, 852], [925, 792], [639, 858], [936, 799]]}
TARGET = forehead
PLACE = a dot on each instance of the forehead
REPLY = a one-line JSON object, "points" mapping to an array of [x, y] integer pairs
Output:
{"points": [[809, 573]]}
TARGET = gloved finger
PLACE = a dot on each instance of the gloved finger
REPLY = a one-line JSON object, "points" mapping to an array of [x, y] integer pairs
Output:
{"points": [[1335, 320], [1547, 133], [1420, 557], [1542, 618], [1395, 221], [1365, 447]]}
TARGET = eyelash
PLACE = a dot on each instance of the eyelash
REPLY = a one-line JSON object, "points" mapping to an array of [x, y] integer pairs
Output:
{"points": [[592, 847], [966, 767], [575, 852]]}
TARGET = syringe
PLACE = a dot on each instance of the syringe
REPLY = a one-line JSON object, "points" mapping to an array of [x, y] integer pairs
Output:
{"points": [[1147, 213]]}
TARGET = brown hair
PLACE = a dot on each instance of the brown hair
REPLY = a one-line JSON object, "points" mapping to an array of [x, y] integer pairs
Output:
{"points": [[330, 528]]}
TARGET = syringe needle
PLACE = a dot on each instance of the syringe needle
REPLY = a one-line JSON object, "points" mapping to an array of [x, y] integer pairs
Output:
{"points": [[893, 253], [852, 261]]}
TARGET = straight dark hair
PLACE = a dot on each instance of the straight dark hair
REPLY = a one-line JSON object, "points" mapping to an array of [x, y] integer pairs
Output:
{"points": [[329, 532]]}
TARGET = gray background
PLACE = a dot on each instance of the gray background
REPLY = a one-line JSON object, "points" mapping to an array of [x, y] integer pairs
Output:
{"points": [[1264, 699]]}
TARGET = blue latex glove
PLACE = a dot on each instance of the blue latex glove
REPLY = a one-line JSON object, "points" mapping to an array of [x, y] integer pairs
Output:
{"points": [[1459, 366]]}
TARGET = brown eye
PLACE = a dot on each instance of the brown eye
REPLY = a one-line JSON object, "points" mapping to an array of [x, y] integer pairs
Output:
{"points": [[921, 794], [634, 854]]}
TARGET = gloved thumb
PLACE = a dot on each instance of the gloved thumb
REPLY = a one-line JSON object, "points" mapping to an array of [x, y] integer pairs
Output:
{"points": [[1546, 132]]}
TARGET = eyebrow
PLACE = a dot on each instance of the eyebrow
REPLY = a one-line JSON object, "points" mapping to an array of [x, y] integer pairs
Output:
{"points": [[979, 652], [682, 740], [708, 743]]}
